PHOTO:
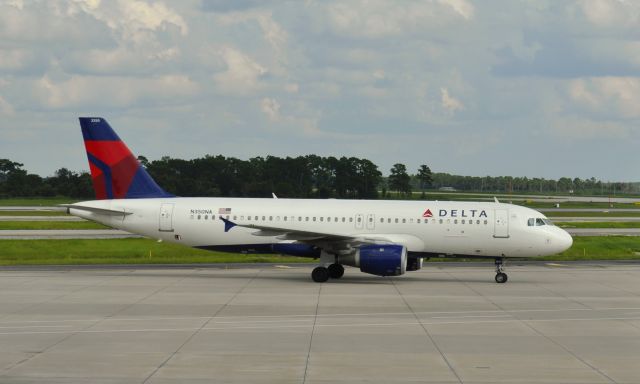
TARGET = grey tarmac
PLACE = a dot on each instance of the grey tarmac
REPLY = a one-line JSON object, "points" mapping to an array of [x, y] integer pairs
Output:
{"points": [[448, 323]]}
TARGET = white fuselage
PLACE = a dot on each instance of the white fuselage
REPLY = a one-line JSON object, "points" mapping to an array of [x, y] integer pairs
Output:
{"points": [[426, 228]]}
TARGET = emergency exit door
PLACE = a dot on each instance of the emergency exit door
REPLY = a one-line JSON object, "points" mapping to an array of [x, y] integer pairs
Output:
{"points": [[501, 223], [166, 218]]}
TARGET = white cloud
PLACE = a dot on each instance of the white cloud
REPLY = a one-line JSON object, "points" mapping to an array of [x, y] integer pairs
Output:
{"points": [[378, 18], [271, 108], [608, 13], [112, 91], [242, 74], [608, 94], [450, 103]]}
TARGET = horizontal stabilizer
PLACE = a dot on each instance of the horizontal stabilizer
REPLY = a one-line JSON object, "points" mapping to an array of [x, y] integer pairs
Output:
{"points": [[99, 211]]}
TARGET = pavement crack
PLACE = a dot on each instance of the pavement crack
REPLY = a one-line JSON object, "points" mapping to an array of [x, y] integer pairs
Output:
{"points": [[427, 333], [204, 325], [313, 330]]}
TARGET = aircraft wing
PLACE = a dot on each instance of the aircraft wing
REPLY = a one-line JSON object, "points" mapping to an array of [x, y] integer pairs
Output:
{"points": [[327, 239]]}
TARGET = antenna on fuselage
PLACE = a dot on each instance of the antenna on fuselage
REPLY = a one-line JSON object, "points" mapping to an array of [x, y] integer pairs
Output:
{"points": [[274, 195], [496, 200]]}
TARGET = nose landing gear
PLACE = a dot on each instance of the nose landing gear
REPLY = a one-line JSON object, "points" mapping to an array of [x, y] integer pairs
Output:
{"points": [[501, 277]]}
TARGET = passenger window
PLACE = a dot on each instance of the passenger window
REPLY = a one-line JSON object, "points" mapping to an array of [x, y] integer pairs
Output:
{"points": [[284, 218], [486, 222], [206, 217], [351, 219], [389, 220], [455, 221], [199, 217], [249, 218], [213, 217], [404, 221], [441, 221], [191, 217], [336, 219], [359, 219], [463, 221], [397, 220], [314, 218], [264, 218], [321, 218], [270, 218], [418, 221], [382, 220], [306, 218]]}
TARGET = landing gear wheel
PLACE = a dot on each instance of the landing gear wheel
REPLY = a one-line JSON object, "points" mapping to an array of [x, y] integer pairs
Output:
{"points": [[320, 274], [501, 277], [336, 271]]}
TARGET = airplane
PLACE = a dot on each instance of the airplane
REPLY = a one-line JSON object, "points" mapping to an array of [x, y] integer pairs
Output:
{"points": [[383, 238]]}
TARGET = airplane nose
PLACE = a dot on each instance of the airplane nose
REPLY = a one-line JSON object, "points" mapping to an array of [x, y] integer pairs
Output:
{"points": [[565, 240]]}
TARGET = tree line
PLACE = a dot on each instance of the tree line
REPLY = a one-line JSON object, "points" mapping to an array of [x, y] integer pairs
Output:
{"points": [[308, 176]]}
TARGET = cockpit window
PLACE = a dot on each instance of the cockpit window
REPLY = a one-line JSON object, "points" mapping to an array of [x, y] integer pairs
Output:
{"points": [[538, 222]]}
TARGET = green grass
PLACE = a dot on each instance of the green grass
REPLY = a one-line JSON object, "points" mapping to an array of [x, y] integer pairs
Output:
{"points": [[144, 251], [119, 251], [33, 213], [591, 214], [40, 225], [36, 202], [601, 248], [578, 205], [598, 224]]}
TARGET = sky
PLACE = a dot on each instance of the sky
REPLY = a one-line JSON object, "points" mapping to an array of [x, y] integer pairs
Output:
{"points": [[521, 88]]}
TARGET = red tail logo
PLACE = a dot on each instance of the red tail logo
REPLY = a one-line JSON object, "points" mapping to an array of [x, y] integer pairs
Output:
{"points": [[427, 213]]}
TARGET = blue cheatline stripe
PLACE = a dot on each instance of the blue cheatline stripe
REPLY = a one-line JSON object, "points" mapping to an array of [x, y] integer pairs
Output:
{"points": [[107, 174], [97, 129]]}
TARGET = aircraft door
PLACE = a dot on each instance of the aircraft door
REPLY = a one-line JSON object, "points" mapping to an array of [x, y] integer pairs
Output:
{"points": [[501, 223], [371, 221], [166, 218], [359, 221]]}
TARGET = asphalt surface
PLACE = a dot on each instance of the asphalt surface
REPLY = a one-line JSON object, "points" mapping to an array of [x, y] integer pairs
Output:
{"points": [[448, 323]]}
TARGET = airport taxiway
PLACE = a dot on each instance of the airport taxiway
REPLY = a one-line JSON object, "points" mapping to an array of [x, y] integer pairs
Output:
{"points": [[448, 323]]}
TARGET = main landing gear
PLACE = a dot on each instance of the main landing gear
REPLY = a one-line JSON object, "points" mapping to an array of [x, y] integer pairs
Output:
{"points": [[322, 274], [501, 277]]}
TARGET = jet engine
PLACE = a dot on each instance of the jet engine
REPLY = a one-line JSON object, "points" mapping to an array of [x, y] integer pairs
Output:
{"points": [[380, 260]]}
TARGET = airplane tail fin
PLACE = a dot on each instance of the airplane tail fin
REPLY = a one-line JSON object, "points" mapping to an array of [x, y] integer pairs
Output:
{"points": [[115, 172]]}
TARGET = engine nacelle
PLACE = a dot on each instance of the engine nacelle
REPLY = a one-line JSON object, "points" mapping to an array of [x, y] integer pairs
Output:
{"points": [[380, 260], [414, 263]]}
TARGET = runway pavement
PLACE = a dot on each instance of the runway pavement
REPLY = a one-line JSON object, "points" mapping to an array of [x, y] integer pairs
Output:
{"points": [[448, 323]]}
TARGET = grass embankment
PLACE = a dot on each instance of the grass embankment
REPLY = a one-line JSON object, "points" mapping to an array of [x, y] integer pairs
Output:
{"points": [[591, 224], [591, 214], [36, 202], [601, 248], [119, 251], [33, 213], [144, 251], [44, 225]]}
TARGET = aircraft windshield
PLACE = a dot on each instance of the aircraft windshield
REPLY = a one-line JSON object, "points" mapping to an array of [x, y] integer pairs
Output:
{"points": [[538, 222]]}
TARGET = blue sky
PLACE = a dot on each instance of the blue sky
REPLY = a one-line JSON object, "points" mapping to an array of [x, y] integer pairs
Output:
{"points": [[522, 88]]}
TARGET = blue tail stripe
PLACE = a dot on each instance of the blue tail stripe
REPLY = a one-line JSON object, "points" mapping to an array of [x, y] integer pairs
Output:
{"points": [[97, 129], [107, 174], [143, 186]]}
